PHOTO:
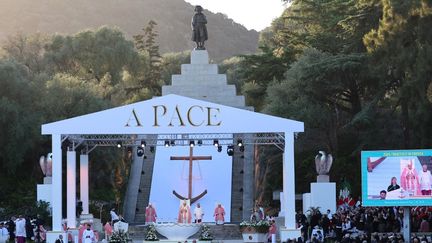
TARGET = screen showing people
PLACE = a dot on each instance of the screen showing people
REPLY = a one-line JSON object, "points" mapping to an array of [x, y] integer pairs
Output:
{"points": [[399, 178]]}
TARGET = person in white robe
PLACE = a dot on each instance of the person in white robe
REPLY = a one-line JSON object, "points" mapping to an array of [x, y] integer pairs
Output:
{"points": [[4, 233], [88, 235], [199, 213], [425, 181]]}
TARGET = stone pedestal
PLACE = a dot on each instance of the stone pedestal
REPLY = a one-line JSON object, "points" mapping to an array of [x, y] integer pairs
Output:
{"points": [[323, 178], [323, 195], [201, 80], [44, 191], [47, 180]]}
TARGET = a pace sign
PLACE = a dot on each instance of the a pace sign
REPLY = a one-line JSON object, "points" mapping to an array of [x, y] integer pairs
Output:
{"points": [[178, 116]]}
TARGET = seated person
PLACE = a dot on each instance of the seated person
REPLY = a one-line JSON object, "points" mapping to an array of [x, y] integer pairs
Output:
{"points": [[393, 185]]}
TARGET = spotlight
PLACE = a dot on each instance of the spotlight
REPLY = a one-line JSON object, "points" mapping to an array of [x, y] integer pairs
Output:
{"points": [[239, 142], [152, 149], [216, 143], [219, 148], [241, 148], [199, 142], [140, 151], [230, 150], [191, 143], [143, 144], [172, 143], [167, 143], [119, 144]]}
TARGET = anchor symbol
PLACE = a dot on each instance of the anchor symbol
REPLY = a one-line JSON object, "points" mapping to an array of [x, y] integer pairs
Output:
{"points": [[191, 158]]}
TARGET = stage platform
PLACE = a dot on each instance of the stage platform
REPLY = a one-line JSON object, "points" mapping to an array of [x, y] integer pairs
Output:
{"points": [[226, 233]]}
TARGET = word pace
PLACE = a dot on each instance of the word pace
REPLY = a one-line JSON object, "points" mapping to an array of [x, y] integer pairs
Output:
{"points": [[194, 115]]}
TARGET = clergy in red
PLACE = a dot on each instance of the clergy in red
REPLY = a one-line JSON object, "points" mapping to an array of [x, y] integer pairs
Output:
{"points": [[219, 214], [150, 214]]}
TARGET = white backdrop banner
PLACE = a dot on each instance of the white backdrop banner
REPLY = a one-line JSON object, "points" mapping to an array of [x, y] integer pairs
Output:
{"points": [[211, 175]]}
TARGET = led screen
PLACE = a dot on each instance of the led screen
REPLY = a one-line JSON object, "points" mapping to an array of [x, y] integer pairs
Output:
{"points": [[397, 178]]}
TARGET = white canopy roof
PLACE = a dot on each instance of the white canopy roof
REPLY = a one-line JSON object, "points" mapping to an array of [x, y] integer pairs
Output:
{"points": [[172, 114]]}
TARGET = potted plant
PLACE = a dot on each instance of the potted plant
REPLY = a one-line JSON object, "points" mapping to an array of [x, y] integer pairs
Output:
{"points": [[205, 234], [255, 231], [151, 233], [120, 236]]}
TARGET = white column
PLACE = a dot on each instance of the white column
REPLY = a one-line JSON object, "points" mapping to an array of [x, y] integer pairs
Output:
{"points": [[84, 182], [71, 188], [56, 194], [289, 181]]}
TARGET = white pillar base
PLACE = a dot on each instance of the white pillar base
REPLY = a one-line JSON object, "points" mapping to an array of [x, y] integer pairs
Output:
{"points": [[52, 236], [287, 234], [86, 217]]}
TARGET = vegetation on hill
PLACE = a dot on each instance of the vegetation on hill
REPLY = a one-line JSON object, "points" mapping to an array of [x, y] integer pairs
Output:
{"points": [[173, 17]]}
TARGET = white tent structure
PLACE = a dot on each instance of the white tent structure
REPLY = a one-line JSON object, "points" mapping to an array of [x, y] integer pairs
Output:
{"points": [[171, 116]]}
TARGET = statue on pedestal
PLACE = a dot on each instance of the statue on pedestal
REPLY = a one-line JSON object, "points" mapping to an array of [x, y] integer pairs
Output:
{"points": [[199, 29], [46, 165], [323, 163]]}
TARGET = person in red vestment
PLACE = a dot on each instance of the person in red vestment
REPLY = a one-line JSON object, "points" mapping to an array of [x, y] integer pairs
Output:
{"points": [[219, 214], [108, 231], [150, 214], [410, 179], [185, 215]]}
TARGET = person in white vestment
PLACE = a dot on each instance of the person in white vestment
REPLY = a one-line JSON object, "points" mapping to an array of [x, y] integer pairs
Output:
{"points": [[199, 213], [88, 235], [425, 181], [4, 233], [20, 230]]}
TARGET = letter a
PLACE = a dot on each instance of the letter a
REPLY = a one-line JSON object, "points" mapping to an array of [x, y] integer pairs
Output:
{"points": [[133, 116]]}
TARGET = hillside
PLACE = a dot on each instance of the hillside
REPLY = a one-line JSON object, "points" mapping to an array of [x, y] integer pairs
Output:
{"points": [[226, 38]]}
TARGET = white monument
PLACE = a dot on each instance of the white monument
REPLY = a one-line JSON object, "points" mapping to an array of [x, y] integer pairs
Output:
{"points": [[44, 190], [323, 192]]}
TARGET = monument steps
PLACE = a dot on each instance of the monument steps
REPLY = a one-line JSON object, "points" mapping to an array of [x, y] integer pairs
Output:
{"points": [[196, 79], [145, 185], [219, 232], [199, 69]]}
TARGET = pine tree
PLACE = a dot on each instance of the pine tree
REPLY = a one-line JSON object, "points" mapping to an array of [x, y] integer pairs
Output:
{"points": [[147, 43]]}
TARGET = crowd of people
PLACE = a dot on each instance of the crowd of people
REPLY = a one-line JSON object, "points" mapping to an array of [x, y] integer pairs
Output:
{"points": [[19, 229], [354, 223]]}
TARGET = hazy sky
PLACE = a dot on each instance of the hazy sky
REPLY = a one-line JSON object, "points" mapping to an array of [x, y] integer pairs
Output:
{"points": [[253, 14]]}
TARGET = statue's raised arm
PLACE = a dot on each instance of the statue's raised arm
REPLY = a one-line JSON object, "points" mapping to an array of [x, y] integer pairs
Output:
{"points": [[199, 29]]}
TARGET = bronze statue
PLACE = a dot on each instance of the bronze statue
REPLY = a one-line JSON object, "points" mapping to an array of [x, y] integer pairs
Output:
{"points": [[199, 29], [323, 163]]}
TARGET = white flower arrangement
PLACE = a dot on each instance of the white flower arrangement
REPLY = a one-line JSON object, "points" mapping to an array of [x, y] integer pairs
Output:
{"points": [[151, 233], [261, 226], [205, 233]]}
